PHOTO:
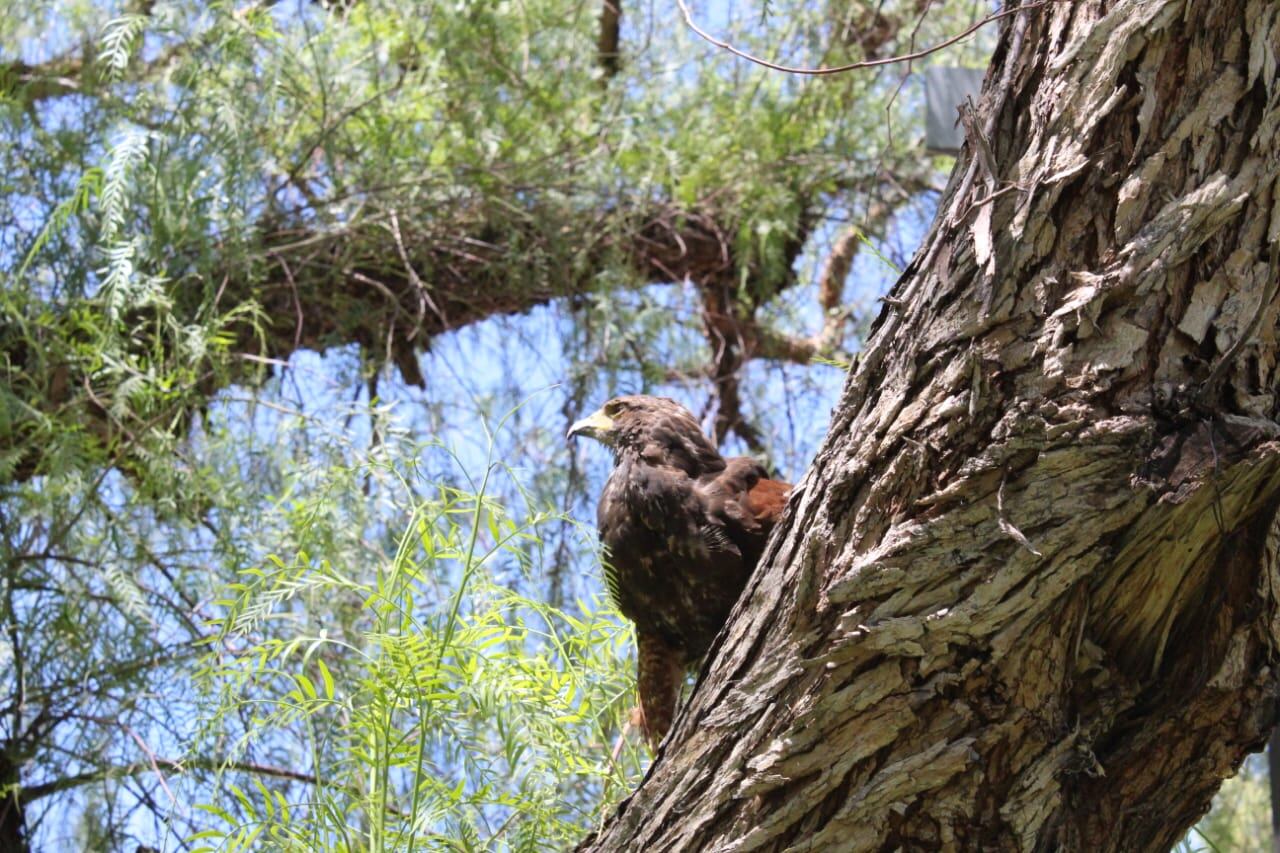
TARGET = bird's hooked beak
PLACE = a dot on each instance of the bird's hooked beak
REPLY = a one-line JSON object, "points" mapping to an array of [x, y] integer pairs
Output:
{"points": [[596, 425]]}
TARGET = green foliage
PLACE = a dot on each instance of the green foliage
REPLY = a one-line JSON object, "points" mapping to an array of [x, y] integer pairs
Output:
{"points": [[439, 709]]}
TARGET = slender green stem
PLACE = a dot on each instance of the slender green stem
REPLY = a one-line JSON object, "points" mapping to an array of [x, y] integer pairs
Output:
{"points": [[468, 568]]}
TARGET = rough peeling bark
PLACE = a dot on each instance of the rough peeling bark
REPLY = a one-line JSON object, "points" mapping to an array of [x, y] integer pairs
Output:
{"points": [[1026, 597]]}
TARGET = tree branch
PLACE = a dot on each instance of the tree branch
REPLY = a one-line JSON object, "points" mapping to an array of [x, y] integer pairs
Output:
{"points": [[866, 63], [390, 285], [31, 793]]}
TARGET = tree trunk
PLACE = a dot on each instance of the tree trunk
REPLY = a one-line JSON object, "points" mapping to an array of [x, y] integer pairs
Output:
{"points": [[1026, 597]]}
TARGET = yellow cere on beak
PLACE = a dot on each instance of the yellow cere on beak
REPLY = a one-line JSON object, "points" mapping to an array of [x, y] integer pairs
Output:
{"points": [[595, 425]]}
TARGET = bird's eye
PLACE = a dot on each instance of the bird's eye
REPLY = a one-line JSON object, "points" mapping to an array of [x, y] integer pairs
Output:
{"points": [[612, 408]]}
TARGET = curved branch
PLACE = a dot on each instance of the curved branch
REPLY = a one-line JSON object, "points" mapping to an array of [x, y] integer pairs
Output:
{"points": [[31, 793], [866, 63]]}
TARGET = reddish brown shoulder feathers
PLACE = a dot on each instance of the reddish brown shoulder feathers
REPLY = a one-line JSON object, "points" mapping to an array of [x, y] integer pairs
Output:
{"points": [[767, 499]]}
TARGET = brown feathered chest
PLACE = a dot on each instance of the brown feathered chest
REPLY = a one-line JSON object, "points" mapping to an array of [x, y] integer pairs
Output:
{"points": [[681, 544]]}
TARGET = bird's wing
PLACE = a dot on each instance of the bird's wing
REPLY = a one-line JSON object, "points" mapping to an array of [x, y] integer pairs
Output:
{"points": [[672, 506], [742, 504]]}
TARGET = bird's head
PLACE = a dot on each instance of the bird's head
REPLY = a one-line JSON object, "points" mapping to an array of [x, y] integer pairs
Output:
{"points": [[654, 428]]}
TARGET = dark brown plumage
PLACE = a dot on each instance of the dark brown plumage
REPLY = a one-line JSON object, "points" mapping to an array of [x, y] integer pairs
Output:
{"points": [[683, 528]]}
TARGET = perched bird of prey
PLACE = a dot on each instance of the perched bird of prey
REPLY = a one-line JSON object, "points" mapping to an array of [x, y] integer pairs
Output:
{"points": [[683, 528]]}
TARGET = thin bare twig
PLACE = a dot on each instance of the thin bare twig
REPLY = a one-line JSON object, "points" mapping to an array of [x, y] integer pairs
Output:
{"points": [[424, 294], [866, 63], [297, 303]]}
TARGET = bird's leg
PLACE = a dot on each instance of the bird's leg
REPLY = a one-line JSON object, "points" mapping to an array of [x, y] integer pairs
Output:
{"points": [[661, 670]]}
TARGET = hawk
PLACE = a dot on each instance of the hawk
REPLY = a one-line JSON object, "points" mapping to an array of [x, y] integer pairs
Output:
{"points": [[683, 528]]}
